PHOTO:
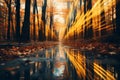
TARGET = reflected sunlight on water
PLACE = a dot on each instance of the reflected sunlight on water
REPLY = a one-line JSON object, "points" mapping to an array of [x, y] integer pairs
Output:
{"points": [[60, 63], [89, 69]]}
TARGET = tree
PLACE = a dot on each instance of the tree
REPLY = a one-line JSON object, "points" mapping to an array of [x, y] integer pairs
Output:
{"points": [[90, 27], [34, 27], [17, 20], [51, 23], [2, 20], [80, 4], [25, 36], [117, 18], [38, 22], [12, 25], [102, 20], [1, 14], [35, 11], [85, 27], [42, 30], [8, 3]]}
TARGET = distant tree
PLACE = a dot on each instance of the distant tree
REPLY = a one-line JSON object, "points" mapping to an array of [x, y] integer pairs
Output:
{"points": [[25, 36], [38, 20], [117, 31], [102, 20], [12, 26], [2, 12], [90, 27], [85, 27], [17, 2], [42, 30], [80, 4], [81, 34], [34, 26], [8, 3], [74, 13], [2, 20], [51, 23]]}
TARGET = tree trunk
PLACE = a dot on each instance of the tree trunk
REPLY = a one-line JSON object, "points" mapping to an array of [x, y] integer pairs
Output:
{"points": [[17, 20], [9, 18], [44, 20], [90, 27], [26, 24], [38, 22], [117, 31], [51, 23], [34, 27], [12, 25], [80, 4], [85, 27], [35, 10], [102, 20]]}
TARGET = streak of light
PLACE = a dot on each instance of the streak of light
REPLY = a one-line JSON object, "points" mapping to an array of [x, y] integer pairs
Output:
{"points": [[79, 62], [83, 19], [102, 72]]}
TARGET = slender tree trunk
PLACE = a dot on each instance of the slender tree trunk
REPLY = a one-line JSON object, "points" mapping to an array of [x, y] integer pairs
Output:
{"points": [[38, 22], [12, 25], [80, 4], [9, 18], [26, 24], [117, 29], [17, 20], [90, 27], [43, 19], [81, 34], [34, 27], [85, 27], [75, 12], [51, 22], [102, 20], [117, 18]]}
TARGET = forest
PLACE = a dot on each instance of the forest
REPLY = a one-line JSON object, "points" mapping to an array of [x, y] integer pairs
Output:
{"points": [[46, 20], [59, 39]]}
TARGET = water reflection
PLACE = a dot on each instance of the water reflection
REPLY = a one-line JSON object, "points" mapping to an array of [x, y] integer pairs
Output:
{"points": [[89, 68], [77, 61], [60, 63]]}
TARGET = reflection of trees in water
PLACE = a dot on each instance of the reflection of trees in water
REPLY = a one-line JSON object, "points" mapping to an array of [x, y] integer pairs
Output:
{"points": [[87, 68], [73, 64], [43, 69], [27, 73], [32, 69], [60, 65], [77, 65]]}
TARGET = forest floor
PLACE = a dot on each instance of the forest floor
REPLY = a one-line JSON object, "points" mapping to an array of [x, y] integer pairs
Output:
{"points": [[9, 51]]}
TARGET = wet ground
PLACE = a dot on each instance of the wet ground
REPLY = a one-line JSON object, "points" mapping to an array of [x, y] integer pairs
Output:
{"points": [[61, 63]]}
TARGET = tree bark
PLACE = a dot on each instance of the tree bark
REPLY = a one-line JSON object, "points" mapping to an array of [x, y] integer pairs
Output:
{"points": [[102, 20], [17, 20], [25, 37], [85, 27], [34, 26], [117, 31], [43, 37], [9, 18], [90, 27]]}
